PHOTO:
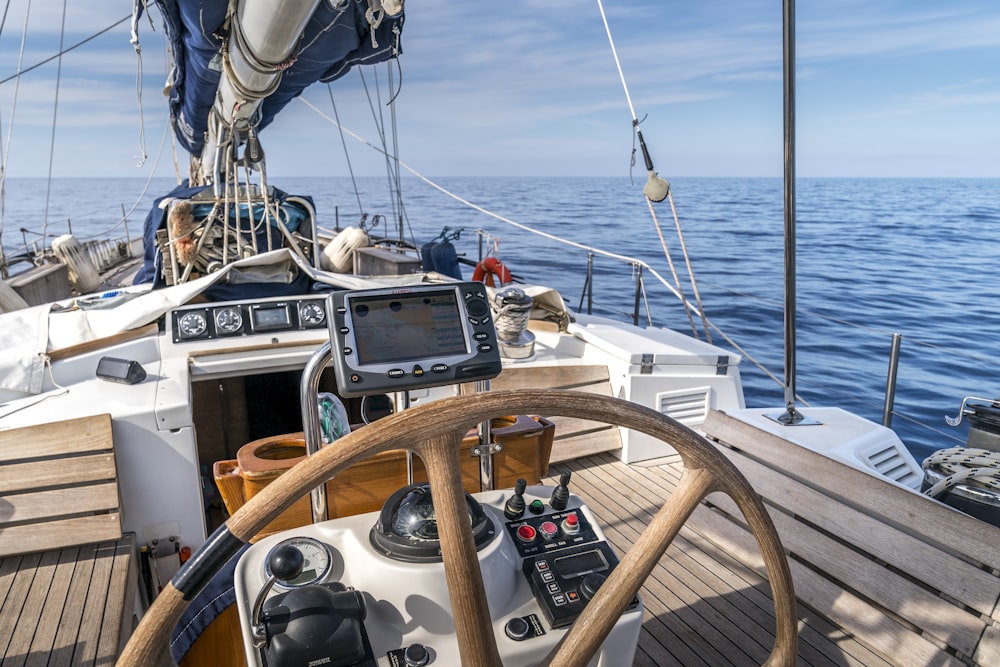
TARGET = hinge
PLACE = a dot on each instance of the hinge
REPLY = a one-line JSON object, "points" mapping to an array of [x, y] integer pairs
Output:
{"points": [[495, 448], [722, 364], [646, 365]]}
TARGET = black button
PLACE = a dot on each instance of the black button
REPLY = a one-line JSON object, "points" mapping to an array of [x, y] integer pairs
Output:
{"points": [[417, 371], [480, 335], [348, 351], [396, 373], [517, 629], [484, 347], [477, 308], [345, 330], [439, 368], [416, 655]]}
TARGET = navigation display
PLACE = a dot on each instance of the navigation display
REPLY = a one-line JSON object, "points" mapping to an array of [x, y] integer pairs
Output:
{"points": [[409, 337], [407, 327]]}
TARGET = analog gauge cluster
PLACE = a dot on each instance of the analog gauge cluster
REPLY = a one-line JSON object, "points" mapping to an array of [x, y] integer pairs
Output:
{"points": [[246, 319]]}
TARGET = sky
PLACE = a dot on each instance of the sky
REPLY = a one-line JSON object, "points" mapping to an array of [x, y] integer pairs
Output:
{"points": [[884, 88]]}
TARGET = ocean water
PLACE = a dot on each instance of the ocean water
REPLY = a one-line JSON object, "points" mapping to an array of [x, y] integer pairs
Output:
{"points": [[917, 257]]}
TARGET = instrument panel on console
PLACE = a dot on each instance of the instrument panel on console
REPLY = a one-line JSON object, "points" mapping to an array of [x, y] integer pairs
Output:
{"points": [[246, 318], [539, 572]]}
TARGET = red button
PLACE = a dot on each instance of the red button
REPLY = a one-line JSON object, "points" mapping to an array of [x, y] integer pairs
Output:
{"points": [[548, 530], [526, 533], [572, 520]]}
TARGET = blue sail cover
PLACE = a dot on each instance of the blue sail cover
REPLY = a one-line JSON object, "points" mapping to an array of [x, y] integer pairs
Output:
{"points": [[334, 41]]}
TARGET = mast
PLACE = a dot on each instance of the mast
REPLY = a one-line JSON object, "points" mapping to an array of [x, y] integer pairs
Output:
{"points": [[262, 43], [791, 416]]}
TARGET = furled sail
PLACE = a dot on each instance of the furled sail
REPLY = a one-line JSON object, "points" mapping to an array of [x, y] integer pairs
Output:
{"points": [[338, 35]]}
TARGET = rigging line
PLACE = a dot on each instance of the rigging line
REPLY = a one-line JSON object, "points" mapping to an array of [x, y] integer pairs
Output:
{"points": [[142, 156], [618, 64], [673, 269], [55, 115], [465, 202], [13, 109], [687, 260], [680, 234], [347, 155], [379, 120], [3, 21], [389, 175], [635, 123], [20, 72]]}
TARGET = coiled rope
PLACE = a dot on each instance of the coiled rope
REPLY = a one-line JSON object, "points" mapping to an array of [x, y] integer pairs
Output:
{"points": [[962, 465], [512, 309]]}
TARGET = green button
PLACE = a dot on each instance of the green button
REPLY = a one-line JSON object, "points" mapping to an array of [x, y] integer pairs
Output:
{"points": [[536, 506]]}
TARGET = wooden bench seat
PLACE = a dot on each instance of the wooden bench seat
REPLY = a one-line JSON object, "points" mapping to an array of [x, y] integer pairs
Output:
{"points": [[67, 572], [911, 579]]}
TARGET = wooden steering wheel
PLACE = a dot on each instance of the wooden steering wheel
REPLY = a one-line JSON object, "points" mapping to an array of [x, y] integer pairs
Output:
{"points": [[434, 431]]}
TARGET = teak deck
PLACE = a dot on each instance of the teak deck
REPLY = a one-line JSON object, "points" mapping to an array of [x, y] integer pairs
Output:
{"points": [[872, 589]]}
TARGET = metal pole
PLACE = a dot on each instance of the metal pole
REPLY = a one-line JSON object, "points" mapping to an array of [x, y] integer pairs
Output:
{"points": [[638, 295], [791, 415], [890, 382], [486, 478], [588, 290], [311, 428]]}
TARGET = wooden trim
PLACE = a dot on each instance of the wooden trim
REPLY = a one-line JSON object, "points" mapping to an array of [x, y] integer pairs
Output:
{"points": [[100, 343]]}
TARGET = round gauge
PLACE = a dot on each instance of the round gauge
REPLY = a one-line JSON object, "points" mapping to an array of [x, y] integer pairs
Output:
{"points": [[312, 313], [228, 320], [316, 561], [192, 324]]}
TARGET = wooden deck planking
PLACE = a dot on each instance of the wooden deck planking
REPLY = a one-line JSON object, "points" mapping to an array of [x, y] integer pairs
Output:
{"points": [[703, 607], [716, 627]]}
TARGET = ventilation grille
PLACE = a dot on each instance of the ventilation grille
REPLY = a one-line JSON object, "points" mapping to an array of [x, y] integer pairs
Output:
{"points": [[689, 407], [890, 463]]}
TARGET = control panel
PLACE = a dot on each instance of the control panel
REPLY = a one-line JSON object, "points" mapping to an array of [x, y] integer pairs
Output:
{"points": [[400, 338], [246, 318], [540, 567]]}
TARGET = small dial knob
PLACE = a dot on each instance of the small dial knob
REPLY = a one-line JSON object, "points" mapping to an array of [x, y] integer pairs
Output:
{"points": [[286, 562], [590, 584], [416, 655], [517, 629]]}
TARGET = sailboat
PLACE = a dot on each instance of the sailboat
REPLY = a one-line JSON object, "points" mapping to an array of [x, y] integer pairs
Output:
{"points": [[482, 468]]}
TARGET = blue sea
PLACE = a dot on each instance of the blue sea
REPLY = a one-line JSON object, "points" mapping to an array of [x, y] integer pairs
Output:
{"points": [[917, 257]]}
